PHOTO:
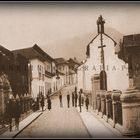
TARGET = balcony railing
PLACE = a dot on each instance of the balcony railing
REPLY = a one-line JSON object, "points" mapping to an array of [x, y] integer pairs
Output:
{"points": [[49, 74]]}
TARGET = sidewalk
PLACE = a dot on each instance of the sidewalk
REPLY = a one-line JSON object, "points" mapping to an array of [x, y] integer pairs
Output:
{"points": [[95, 127], [22, 125]]}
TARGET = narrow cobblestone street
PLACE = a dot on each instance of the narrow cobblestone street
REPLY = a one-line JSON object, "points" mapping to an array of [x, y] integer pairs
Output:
{"points": [[58, 122]]}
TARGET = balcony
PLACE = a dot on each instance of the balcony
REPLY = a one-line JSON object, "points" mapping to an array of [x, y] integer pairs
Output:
{"points": [[49, 74]]}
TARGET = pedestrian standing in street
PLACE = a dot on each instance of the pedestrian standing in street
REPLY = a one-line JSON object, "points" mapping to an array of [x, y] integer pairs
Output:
{"points": [[42, 102], [50, 91], [17, 113], [83, 97], [87, 102], [9, 113], [73, 99], [60, 98], [80, 101], [76, 89], [49, 103], [68, 100], [76, 97], [37, 102]]}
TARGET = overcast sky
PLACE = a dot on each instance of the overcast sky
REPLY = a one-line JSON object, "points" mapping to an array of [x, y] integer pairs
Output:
{"points": [[22, 25]]}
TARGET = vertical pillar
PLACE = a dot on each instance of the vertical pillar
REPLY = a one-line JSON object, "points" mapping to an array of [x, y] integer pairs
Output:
{"points": [[98, 102], [108, 105], [103, 104], [115, 98], [131, 112]]}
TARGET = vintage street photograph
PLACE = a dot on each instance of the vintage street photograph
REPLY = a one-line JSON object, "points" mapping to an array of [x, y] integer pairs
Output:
{"points": [[70, 70]]}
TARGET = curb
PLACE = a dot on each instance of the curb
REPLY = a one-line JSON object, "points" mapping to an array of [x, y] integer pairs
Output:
{"points": [[117, 133], [26, 125], [83, 123]]}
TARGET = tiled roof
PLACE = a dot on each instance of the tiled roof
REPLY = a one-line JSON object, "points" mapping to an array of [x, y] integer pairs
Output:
{"points": [[6, 52], [61, 61], [74, 61], [34, 52]]}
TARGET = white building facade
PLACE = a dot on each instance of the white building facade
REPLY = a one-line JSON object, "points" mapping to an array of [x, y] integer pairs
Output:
{"points": [[116, 69], [43, 70]]}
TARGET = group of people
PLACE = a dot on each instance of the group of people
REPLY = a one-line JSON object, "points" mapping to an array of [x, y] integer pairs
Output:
{"points": [[75, 97], [40, 101], [14, 108]]}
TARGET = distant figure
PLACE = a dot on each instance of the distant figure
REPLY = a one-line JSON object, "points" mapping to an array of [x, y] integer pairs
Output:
{"points": [[80, 102], [73, 99], [76, 97], [37, 102], [68, 100], [17, 113], [82, 96], [42, 102], [50, 91], [75, 89], [49, 103], [87, 102], [33, 106], [60, 98]]}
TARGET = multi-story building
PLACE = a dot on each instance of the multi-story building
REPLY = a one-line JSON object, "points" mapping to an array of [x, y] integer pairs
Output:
{"points": [[42, 72], [130, 53], [73, 66], [62, 72]]}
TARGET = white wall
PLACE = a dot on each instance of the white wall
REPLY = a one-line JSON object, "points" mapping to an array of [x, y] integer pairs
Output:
{"points": [[117, 77], [35, 78], [80, 78]]}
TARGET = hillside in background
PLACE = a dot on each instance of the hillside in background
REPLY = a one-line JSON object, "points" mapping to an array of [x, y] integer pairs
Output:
{"points": [[76, 46]]}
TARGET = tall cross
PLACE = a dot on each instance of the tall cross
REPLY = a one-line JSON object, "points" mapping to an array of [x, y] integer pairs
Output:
{"points": [[102, 55]]}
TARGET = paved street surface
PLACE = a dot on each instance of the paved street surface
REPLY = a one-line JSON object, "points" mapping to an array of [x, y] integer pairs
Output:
{"points": [[58, 122], [23, 124], [96, 128], [64, 122]]}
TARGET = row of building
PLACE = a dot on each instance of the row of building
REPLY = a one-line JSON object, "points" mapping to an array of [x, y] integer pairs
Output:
{"points": [[31, 72]]}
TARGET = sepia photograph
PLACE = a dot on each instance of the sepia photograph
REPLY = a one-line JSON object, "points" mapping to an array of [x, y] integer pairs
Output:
{"points": [[70, 70]]}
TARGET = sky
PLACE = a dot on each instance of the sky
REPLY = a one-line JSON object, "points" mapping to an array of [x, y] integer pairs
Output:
{"points": [[24, 24]]}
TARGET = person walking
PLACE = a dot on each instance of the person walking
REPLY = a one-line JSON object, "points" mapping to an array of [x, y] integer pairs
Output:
{"points": [[49, 103], [42, 102], [87, 102], [60, 98], [82, 96], [80, 102], [68, 100], [73, 99], [17, 113], [76, 97]]}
